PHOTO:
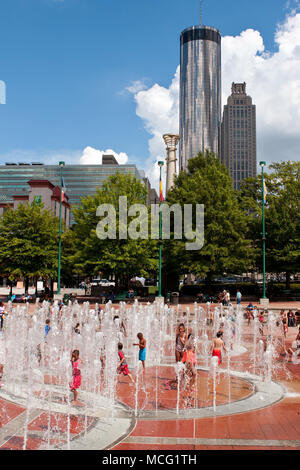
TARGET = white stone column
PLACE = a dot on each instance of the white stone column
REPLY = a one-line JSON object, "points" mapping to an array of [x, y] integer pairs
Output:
{"points": [[171, 141]]}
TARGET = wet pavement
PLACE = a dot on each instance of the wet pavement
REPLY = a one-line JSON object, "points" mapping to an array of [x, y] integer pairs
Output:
{"points": [[251, 413]]}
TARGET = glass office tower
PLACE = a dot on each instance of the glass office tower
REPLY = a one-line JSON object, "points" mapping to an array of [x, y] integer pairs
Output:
{"points": [[80, 180], [200, 92]]}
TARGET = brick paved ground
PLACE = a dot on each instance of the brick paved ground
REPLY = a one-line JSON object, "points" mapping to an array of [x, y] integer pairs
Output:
{"points": [[273, 427]]}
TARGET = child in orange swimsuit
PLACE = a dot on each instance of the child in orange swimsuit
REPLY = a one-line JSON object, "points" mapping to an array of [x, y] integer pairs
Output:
{"points": [[189, 356]]}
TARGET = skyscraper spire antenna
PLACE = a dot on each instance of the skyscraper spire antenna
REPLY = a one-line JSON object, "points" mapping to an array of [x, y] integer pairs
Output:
{"points": [[201, 5]]}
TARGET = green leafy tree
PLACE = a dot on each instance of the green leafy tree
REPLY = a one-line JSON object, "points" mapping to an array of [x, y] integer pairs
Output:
{"points": [[226, 248], [69, 270], [125, 258], [28, 242], [282, 216]]}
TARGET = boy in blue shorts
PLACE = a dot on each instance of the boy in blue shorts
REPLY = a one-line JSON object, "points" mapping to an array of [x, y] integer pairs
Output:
{"points": [[142, 351]]}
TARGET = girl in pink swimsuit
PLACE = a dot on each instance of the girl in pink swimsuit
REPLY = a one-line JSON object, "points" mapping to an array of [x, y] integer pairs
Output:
{"points": [[76, 382]]}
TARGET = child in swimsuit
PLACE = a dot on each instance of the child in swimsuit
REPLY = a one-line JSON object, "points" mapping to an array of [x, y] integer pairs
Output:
{"points": [[76, 382], [123, 366], [189, 356], [47, 329], [181, 339], [142, 351], [189, 359], [217, 346]]}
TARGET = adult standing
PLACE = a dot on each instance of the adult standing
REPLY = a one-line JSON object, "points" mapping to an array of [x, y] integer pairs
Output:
{"points": [[297, 317], [224, 297], [291, 318], [238, 297], [227, 298], [284, 326], [2, 313], [282, 314]]}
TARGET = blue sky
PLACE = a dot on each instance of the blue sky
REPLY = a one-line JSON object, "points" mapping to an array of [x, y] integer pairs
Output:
{"points": [[66, 65]]}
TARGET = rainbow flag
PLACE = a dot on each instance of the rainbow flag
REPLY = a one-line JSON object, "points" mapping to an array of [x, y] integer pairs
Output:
{"points": [[63, 190], [265, 192], [161, 196]]}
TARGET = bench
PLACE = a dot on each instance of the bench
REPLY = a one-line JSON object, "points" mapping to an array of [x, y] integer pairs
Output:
{"points": [[123, 297]]}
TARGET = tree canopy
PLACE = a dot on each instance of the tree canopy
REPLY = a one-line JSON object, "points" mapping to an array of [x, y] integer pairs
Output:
{"points": [[282, 216], [125, 258], [28, 242], [226, 248]]}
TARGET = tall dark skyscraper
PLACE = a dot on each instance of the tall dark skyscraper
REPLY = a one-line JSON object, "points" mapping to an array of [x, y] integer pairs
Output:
{"points": [[238, 150], [200, 92]]}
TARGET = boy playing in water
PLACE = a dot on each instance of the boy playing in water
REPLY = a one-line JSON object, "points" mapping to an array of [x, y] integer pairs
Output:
{"points": [[142, 351], [123, 366], [47, 329]]}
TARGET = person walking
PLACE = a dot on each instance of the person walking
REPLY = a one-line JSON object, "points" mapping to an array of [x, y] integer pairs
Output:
{"points": [[291, 318], [238, 297], [2, 314], [226, 300]]}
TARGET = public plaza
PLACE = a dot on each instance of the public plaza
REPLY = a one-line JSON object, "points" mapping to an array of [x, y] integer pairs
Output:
{"points": [[250, 401], [149, 226]]}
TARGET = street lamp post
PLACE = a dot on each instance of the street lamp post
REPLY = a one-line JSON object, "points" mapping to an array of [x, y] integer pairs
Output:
{"points": [[61, 165], [160, 164], [263, 164]]}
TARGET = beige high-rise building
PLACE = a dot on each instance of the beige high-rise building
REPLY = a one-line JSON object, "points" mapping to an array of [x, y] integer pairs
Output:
{"points": [[238, 140]]}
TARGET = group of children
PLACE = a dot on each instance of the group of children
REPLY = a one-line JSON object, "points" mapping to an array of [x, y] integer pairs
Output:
{"points": [[185, 354], [122, 367]]}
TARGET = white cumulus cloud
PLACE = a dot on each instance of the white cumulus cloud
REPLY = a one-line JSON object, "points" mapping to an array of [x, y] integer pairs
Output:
{"points": [[273, 81], [92, 156], [158, 107], [136, 86]]}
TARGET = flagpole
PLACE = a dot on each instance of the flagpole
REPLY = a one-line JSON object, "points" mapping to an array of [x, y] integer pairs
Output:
{"points": [[160, 228], [262, 164], [61, 165]]}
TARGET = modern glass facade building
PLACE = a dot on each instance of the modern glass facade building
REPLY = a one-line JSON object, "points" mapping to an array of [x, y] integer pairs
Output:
{"points": [[80, 180], [238, 151], [200, 92]]}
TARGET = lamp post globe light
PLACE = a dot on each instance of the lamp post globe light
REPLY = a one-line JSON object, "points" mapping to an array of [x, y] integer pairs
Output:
{"points": [[61, 165], [264, 300]]}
